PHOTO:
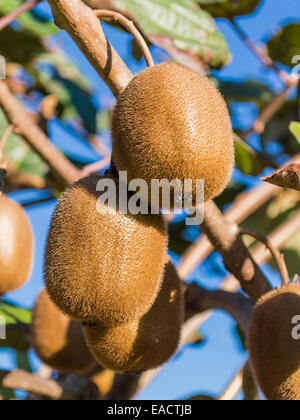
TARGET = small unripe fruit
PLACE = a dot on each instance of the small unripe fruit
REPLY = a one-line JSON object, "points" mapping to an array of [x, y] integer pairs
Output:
{"points": [[146, 343], [58, 340], [16, 245], [274, 350], [103, 267], [171, 123]]}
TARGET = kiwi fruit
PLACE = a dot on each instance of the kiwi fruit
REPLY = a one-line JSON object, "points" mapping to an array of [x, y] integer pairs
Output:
{"points": [[58, 340], [16, 245], [102, 266], [274, 353], [145, 343], [172, 123]]}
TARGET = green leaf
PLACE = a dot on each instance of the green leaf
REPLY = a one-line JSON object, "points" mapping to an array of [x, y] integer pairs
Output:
{"points": [[20, 154], [295, 129], [23, 361], [229, 8], [15, 314], [247, 91], [247, 160], [179, 27], [31, 21], [72, 90], [284, 47], [18, 46]]}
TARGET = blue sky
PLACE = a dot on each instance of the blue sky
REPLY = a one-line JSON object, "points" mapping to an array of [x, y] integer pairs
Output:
{"points": [[208, 368]]}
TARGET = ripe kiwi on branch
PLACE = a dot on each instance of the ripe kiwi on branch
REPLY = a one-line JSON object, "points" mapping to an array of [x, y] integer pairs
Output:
{"points": [[58, 340], [102, 266], [145, 343], [16, 245], [172, 123], [274, 350]]}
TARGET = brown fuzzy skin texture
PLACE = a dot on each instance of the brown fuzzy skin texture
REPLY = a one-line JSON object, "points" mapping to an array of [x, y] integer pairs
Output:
{"points": [[147, 343], [274, 354], [172, 123], [58, 340], [103, 268], [16, 246]]}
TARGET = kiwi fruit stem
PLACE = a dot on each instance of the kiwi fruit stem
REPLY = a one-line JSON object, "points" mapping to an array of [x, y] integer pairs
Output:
{"points": [[278, 257], [112, 16]]}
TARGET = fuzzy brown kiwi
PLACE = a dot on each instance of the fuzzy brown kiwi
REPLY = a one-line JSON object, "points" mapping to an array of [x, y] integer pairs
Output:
{"points": [[16, 245], [58, 340], [274, 353], [106, 267], [146, 343], [172, 123]]}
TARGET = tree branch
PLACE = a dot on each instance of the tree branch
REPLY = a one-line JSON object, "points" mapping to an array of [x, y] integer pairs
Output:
{"points": [[75, 389], [8, 19], [86, 31], [225, 237], [242, 207], [60, 166], [116, 17]]}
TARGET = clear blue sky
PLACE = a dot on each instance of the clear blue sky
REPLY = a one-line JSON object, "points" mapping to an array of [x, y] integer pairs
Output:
{"points": [[205, 369]]}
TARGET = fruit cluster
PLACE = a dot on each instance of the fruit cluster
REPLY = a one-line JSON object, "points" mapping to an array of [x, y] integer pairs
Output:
{"points": [[110, 270]]}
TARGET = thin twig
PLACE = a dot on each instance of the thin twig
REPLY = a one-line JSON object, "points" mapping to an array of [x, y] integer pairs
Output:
{"points": [[278, 257], [278, 238], [234, 387], [96, 167], [77, 388], [8, 19], [112, 16], [265, 59], [268, 112]]}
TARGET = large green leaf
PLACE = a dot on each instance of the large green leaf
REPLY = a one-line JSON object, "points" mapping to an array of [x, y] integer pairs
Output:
{"points": [[229, 8], [247, 160], [20, 154], [18, 46], [180, 27], [245, 91], [31, 21], [284, 47]]}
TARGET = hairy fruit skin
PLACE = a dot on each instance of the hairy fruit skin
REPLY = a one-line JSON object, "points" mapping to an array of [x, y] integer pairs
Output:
{"points": [[146, 343], [274, 353], [172, 123], [58, 340], [103, 268], [16, 245]]}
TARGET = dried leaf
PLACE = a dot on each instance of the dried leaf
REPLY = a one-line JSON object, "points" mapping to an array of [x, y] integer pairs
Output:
{"points": [[286, 177]]}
